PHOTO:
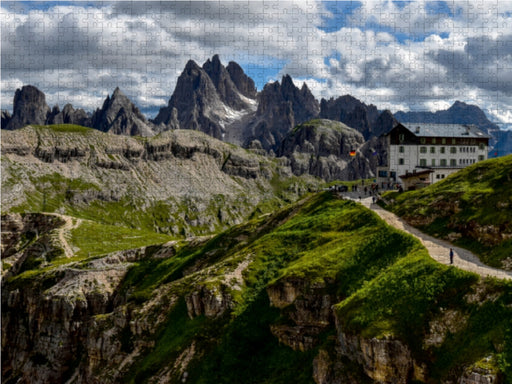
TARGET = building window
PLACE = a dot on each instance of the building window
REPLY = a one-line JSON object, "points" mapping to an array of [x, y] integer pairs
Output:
{"points": [[383, 173], [453, 162], [432, 149], [438, 176], [453, 149], [401, 161], [442, 149], [423, 149], [433, 140], [401, 149], [423, 140], [443, 162], [480, 157], [454, 141], [481, 146], [433, 162], [401, 137], [443, 140], [423, 162], [442, 176]]}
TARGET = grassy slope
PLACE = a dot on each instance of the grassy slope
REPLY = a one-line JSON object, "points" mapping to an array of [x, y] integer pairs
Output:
{"points": [[390, 285], [476, 197]]}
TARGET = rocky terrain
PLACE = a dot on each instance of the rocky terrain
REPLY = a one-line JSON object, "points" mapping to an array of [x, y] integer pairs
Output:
{"points": [[320, 291], [322, 148], [178, 182]]}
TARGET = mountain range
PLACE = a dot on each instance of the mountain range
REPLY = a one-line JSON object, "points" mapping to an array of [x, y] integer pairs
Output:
{"points": [[223, 102]]}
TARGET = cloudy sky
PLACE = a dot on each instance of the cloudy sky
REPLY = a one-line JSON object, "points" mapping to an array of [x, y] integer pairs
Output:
{"points": [[400, 55]]}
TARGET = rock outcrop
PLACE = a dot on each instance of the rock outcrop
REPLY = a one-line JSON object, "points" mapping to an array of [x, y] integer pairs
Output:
{"points": [[120, 116], [323, 148], [29, 107]]}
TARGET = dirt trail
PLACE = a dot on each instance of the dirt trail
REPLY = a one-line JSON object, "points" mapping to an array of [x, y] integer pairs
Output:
{"points": [[65, 230], [438, 249]]}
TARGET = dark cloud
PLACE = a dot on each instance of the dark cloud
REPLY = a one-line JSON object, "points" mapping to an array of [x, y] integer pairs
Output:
{"points": [[485, 63]]}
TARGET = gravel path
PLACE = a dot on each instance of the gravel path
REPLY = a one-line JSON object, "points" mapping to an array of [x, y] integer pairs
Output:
{"points": [[438, 249]]}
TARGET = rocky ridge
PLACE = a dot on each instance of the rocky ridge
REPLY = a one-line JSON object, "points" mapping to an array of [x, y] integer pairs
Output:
{"points": [[191, 181]]}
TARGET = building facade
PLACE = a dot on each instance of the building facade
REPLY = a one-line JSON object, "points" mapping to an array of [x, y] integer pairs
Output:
{"points": [[421, 154]]}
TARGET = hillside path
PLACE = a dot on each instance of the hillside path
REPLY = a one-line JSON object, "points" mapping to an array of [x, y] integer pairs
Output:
{"points": [[438, 249], [66, 230]]}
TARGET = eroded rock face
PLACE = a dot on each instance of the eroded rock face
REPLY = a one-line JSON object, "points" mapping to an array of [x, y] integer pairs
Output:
{"points": [[308, 309], [211, 302], [29, 107], [322, 148]]}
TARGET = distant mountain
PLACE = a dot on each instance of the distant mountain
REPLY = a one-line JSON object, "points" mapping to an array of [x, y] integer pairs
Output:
{"points": [[503, 144], [281, 106], [69, 115], [120, 116], [208, 99], [458, 113]]}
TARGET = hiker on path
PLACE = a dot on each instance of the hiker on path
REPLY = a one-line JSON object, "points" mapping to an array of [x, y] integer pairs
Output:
{"points": [[451, 255]]}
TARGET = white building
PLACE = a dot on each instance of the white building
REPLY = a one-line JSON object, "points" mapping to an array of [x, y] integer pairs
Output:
{"points": [[420, 154]]}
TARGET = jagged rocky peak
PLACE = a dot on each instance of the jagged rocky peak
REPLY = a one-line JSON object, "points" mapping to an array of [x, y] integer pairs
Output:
{"points": [[29, 107], [243, 82], [281, 106], [194, 101], [207, 99], [120, 116], [226, 88], [385, 123]]}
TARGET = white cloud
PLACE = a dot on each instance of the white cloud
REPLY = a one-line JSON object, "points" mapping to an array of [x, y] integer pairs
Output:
{"points": [[396, 57]]}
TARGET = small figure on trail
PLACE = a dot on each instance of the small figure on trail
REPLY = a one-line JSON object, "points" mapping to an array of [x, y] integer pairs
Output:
{"points": [[373, 198], [451, 256]]}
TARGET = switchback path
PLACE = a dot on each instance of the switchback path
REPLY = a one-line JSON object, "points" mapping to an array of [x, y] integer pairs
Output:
{"points": [[438, 249]]}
